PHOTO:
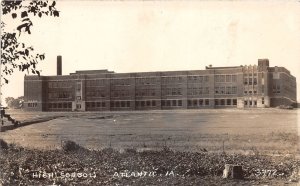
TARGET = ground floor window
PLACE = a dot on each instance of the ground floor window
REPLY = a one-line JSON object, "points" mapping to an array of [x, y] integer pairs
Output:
{"points": [[32, 104], [234, 102], [63, 105]]}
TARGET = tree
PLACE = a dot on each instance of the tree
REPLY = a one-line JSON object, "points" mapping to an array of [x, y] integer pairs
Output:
{"points": [[14, 103], [15, 54]]}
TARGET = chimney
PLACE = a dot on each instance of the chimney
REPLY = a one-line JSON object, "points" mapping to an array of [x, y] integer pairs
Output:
{"points": [[59, 64]]}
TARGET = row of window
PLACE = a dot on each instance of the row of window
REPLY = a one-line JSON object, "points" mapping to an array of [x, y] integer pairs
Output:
{"points": [[95, 93], [226, 90], [95, 104], [251, 103], [118, 104], [59, 84], [250, 74], [224, 102], [171, 92], [171, 103], [120, 81], [96, 82], [276, 89], [198, 91], [197, 102], [169, 80], [250, 92], [65, 105], [32, 104], [250, 81], [59, 95], [197, 79], [120, 93], [148, 103], [225, 78], [145, 92]]}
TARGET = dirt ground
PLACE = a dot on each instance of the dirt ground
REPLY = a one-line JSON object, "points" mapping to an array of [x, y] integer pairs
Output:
{"points": [[265, 131]]}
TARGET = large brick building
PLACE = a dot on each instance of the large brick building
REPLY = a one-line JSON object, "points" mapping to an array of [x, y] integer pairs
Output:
{"points": [[215, 87]]}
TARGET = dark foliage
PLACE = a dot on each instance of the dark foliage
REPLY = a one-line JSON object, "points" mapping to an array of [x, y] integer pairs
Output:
{"points": [[15, 54], [70, 146], [3, 144]]}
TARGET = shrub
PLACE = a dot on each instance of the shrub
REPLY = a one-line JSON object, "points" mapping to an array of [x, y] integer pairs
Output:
{"points": [[70, 146], [3, 144]]}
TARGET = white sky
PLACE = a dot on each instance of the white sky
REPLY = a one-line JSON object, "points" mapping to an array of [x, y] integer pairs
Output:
{"points": [[158, 36]]}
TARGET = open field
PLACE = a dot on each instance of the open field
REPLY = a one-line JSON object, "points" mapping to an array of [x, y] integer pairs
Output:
{"points": [[265, 131]]}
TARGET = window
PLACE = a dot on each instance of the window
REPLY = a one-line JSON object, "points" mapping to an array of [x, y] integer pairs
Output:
{"points": [[201, 102], [250, 81], [217, 90], [153, 103], [32, 104], [206, 102], [78, 87], [228, 78], [216, 102], [245, 81], [128, 103], [222, 102], [168, 103], [228, 101], [163, 103], [112, 104], [103, 104], [195, 102], [228, 90], [117, 104], [245, 102], [50, 105], [142, 103], [179, 102], [65, 105], [233, 78], [222, 90], [59, 105], [148, 103], [233, 90], [93, 104], [234, 102], [69, 105], [262, 100], [174, 103], [98, 104], [78, 106], [189, 103], [255, 81]]}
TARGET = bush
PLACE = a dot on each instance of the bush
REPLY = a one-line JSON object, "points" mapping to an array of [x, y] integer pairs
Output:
{"points": [[3, 144], [70, 146]]}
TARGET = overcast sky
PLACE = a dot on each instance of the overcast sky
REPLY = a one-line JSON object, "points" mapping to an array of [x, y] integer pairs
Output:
{"points": [[159, 36]]}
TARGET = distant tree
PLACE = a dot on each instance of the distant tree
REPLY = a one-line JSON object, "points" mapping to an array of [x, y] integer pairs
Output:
{"points": [[15, 54], [14, 103]]}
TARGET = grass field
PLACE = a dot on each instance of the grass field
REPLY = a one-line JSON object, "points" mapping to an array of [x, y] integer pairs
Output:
{"points": [[264, 131]]}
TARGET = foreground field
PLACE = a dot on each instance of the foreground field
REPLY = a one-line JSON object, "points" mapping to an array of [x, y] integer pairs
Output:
{"points": [[21, 166], [263, 131]]}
